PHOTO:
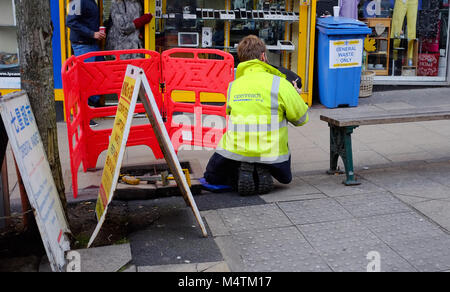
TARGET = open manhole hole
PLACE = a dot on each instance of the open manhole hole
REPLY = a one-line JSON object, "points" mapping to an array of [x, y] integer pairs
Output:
{"points": [[155, 181]]}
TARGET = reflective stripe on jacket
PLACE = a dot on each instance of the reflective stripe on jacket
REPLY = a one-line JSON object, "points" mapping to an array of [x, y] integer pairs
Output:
{"points": [[260, 104]]}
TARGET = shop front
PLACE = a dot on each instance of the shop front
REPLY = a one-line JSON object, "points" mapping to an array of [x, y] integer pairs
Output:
{"points": [[287, 26], [409, 44], [10, 80], [9, 61]]}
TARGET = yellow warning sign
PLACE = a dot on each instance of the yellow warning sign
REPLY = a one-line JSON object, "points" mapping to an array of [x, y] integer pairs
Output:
{"points": [[115, 145]]}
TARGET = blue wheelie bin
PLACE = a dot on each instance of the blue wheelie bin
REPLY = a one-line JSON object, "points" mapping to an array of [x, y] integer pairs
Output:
{"points": [[340, 54]]}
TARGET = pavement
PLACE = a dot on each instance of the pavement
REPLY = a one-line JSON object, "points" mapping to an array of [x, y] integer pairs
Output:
{"points": [[398, 219]]}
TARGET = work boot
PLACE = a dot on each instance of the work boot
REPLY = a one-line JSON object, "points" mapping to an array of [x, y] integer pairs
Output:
{"points": [[246, 184], [263, 179]]}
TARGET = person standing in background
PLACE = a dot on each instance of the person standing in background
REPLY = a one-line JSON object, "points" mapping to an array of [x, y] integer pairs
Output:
{"points": [[127, 20], [83, 19]]}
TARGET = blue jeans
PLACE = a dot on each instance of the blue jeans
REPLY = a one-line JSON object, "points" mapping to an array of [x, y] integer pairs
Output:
{"points": [[81, 49]]}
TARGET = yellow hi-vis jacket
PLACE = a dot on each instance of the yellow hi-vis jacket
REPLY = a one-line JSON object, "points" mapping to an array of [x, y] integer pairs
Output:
{"points": [[260, 104]]}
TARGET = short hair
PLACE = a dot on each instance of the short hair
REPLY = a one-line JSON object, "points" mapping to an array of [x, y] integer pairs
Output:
{"points": [[251, 47]]}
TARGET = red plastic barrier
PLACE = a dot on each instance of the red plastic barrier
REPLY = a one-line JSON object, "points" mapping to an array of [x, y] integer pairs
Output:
{"points": [[179, 69], [192, 70], [82, 80]]}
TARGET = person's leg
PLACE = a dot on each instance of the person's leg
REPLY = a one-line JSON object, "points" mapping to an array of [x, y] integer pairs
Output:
{"points": [[221, 171], [398, 18], [413, 6], [80, 49], [282, 172]]}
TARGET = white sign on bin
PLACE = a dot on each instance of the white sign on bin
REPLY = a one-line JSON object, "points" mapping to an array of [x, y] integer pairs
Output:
{"points": [[346, 53], [28, 149]]}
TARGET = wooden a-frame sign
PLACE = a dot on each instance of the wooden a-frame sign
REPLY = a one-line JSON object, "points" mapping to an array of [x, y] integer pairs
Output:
{"points": [[136, 86]]}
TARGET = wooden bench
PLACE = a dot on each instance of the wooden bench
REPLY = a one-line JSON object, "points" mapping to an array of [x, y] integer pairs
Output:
{"points": [[342, 125]]}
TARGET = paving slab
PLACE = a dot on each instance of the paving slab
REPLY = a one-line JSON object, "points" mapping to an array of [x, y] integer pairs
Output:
{"points": [[254, 217], [394, 147], [215, 223], [437, 172], [298, 189], [436, 210], [407, 182], [105, 259], [215, 201], [274, 250], [411, 200], [214, 267], [402, 227], [362, 158], [373, 204], [304, 166], [373, 134], [314, 211], [430, 254], [285, 196], [345, 245], [355, 259], [337, 236], [332, 186]]}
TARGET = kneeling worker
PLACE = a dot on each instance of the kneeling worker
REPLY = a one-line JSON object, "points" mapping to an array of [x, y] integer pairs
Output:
{"points": [[261, 102]]}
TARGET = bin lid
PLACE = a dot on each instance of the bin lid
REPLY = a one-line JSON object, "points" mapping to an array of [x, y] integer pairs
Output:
{"points": [[342, 26]]}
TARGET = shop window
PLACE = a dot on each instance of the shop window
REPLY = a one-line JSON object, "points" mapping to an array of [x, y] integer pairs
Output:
{"points": [[9, 57], [211, 24], [409, 39]]}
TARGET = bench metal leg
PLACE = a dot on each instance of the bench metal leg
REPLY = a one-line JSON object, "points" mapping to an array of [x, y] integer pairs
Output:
{"points": [[341, 146]]}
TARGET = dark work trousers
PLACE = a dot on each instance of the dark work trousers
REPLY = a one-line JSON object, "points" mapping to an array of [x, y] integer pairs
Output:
{"points": [[224, 171]]}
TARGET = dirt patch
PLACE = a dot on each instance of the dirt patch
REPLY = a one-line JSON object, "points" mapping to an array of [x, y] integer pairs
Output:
{"points": [[19, 249], [120, 221]]}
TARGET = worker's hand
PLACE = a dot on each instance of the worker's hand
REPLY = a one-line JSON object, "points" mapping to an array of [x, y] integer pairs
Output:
{"points": [[99, 35], [299, 90]]}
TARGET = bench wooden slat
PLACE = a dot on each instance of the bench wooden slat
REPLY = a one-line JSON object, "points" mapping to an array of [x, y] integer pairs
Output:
{"points": [[386, 117]]}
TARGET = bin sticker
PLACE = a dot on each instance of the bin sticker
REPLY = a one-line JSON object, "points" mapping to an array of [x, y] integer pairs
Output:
{"points": [[346, 53]]}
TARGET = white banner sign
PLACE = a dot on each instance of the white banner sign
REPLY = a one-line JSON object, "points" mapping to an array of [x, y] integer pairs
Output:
{"points": [[346, 53], [20, 124]]}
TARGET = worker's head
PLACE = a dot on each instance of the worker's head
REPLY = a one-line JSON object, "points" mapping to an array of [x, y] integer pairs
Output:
{"points": [[252, 47]]}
